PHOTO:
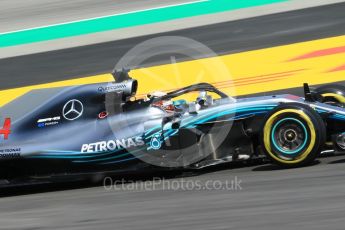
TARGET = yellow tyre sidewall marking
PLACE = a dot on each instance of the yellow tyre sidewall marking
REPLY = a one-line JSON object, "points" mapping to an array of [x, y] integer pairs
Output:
{"points": [[267, 135], [338, 97]]}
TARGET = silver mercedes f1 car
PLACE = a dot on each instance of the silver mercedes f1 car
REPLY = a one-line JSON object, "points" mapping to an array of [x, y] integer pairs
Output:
{"points": [[90, 129]]}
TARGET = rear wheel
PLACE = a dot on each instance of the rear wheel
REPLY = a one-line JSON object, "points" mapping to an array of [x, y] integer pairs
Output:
{"points": [[332, 94], [293, 135]]}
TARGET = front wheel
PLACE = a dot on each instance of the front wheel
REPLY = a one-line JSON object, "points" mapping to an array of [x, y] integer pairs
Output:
{"points": [[293, 135]]}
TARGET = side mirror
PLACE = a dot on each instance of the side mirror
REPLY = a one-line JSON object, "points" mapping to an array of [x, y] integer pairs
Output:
{"points": [[311, 96]]}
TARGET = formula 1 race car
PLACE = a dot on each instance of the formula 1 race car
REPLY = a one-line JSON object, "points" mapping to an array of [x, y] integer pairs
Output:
{"points": [[97, 128]]}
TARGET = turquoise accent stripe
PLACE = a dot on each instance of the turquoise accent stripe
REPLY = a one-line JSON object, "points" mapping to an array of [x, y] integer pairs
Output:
{"points": [[110, 158], [125, 20], [124, 160], [258, 108], [338, 117]]}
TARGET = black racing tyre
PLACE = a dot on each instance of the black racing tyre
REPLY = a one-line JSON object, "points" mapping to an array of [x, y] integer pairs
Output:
{"points": [[292, 135], [333, 94]]}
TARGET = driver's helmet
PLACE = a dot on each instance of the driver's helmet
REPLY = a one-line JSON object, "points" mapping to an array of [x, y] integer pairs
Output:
{"points": [[180, 104], [166, 105]]}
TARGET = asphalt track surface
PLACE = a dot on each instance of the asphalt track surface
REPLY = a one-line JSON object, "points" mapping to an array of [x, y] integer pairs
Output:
{"points": [[270, 198], [223, 38], [266, 197]]}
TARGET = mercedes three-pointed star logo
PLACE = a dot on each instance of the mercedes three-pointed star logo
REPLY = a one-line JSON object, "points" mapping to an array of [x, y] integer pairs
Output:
{"points": [[72, 110]]}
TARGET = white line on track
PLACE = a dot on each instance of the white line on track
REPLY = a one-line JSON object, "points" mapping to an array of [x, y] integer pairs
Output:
{"points": [[100, 17]]}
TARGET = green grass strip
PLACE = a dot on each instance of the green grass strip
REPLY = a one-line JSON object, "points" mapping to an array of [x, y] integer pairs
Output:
{"points": [[125, 20]]}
